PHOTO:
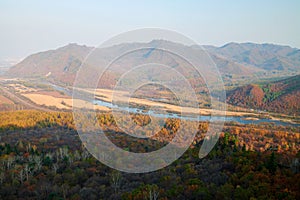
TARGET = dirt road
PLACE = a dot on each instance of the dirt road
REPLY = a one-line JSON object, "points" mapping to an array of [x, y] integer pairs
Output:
{"points": [[17, 99]]}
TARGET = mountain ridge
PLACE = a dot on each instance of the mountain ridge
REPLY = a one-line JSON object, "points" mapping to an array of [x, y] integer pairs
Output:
{"points": [[235, 60], [281, 96]]}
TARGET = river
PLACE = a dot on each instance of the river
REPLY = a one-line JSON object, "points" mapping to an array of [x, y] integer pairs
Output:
{"points": [[238, 119]]}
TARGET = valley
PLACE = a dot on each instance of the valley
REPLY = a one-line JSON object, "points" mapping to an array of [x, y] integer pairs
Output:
{"points": [[43, 156], [149, 100], [49, 97]]}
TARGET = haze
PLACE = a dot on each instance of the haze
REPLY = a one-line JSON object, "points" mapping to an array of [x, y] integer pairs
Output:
{"points": [[32, 26]]}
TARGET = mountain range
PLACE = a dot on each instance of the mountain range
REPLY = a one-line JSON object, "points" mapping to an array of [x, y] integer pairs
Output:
{"points": [[279, 96], [236, 61]]}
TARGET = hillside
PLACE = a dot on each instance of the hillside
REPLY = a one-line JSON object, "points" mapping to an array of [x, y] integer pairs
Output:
{"points": [[280, 96], [60, 64], [42, 157], [235, 61], [263, 56]]}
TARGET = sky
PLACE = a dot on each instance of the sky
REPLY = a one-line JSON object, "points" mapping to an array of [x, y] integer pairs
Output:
{"points": [[32, 26]]}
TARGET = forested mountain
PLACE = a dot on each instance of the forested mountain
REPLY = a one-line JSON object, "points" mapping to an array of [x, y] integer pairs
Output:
{"points": [[263, 56], [236, 61], [280, 96]]}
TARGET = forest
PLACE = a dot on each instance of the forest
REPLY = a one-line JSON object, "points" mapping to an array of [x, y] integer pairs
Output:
{"points": [[42, 157]]}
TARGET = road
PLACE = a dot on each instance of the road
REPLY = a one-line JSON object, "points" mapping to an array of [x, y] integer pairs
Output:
{"points": [[17, 99]]}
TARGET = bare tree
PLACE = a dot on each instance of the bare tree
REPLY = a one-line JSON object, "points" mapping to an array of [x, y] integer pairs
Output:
{"points": [[28, 147], [115, 180], [9, 162], [27, 171], [21, 176], [55, 167], [153, 194], [38, 163]]}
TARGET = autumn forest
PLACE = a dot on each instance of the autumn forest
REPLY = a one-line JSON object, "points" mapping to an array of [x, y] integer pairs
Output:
{"points": [[42, 157]]}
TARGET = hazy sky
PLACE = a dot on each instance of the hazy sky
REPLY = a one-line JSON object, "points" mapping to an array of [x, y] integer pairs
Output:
{"points": [[32, 26]]}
